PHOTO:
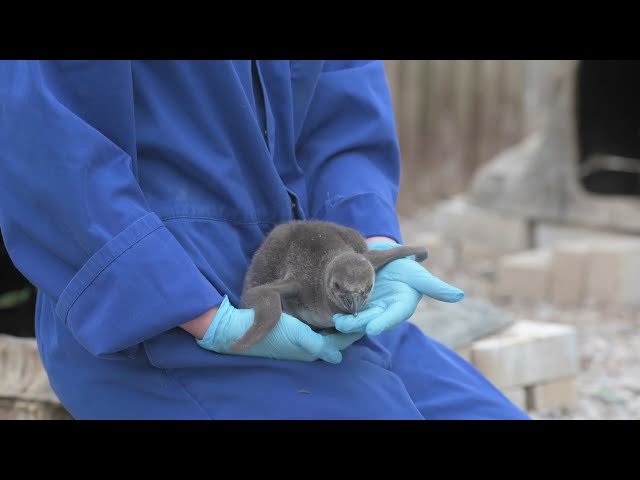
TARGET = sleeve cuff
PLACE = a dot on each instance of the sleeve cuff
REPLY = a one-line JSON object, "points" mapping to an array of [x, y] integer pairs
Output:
{"points": [[138, 285], [368, 213]]}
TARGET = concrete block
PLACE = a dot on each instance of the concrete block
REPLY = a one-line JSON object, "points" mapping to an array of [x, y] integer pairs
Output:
{"points": [[459, 220], [470, 253], [547, 235], [552, 395], [13, 409], [20, 365], [459, 324], [25, 392], [614, 272], [569, 267], [524, 276], [465, 352], [527, 353], [518, 395]]}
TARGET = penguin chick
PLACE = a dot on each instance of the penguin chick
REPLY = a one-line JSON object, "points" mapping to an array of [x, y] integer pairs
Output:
{"points": [[311, 269]]}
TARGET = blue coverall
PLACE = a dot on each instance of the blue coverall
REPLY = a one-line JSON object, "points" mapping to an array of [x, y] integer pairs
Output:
{"points": [[133, 195]]}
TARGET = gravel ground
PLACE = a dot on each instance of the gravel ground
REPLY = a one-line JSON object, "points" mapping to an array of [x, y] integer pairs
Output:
{"points": [[608, 385]]}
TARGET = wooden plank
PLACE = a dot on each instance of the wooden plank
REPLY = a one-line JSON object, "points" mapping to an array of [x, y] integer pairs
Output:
{"points": [[513, 114], [488, 117], [436, 93], [464, 98], [391, 68], [412, 92], [452, 116], [476, 114], [426, 173], [511, 120], [444, 155]]}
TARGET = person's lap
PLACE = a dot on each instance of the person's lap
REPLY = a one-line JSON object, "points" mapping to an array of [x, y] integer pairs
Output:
{"points": [[442, 384], [400, 374]]}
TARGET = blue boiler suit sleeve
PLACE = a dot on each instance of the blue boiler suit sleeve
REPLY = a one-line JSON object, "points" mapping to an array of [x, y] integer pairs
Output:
{"points": [[348, 148], [75, 220]]}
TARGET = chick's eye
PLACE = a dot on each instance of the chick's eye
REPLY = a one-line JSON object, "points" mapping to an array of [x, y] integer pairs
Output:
{"points": [[336, 285]]}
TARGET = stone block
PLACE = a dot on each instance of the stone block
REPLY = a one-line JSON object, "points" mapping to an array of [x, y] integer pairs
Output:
{"points": [[528, 353], [614, 272], [518, 395], [552, 395], [524, 276], [466, 223], [569, 267]]}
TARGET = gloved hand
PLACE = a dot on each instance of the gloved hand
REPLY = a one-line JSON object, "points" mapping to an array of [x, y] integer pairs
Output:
{"points": [[291, 339], [397, 290]]}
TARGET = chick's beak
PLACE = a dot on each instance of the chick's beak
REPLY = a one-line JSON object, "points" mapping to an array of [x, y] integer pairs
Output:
{"points": [[354, 302], [362, 300]]}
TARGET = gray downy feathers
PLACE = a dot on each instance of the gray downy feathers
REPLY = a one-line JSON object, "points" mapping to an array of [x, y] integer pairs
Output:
{"points": [[311, 270]]}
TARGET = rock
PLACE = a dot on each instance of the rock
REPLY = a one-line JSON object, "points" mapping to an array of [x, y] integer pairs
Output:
{"points": [[524, 276], [462, 224], [528, 353], [459, 324], [25, 392], [614, 272], [537, 179]]}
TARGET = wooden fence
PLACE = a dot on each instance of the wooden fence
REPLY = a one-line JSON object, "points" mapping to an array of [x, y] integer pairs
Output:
{"points": [[451, 117]]}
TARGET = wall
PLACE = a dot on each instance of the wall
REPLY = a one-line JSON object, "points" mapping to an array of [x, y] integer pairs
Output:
{"points": [[454, 115]]}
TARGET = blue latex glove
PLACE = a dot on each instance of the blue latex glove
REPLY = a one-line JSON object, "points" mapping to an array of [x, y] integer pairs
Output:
{"points": [[291, 339], [397, 290]]}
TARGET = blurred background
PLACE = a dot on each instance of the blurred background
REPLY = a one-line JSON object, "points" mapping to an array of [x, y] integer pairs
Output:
{"points": [[454, 116], [522, 178]]}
